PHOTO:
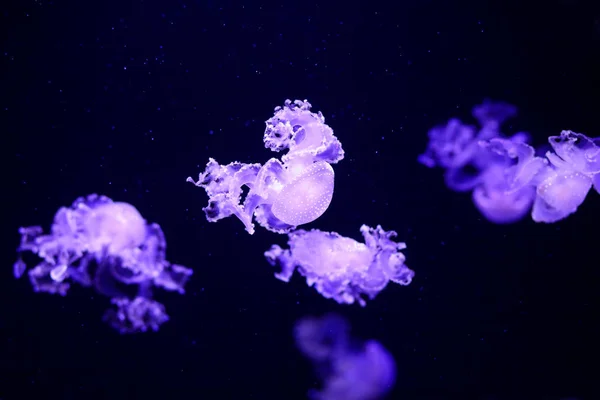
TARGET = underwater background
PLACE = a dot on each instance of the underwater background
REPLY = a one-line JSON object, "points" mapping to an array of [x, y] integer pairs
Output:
{"points": [[129, 98]]}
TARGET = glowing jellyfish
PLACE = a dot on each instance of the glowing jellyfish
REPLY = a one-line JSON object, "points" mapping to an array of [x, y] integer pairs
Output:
{"points": [[341, 268], [108, 245], [456, 146], [348, 369], [506, 190], [282, 194], [564, 183]]}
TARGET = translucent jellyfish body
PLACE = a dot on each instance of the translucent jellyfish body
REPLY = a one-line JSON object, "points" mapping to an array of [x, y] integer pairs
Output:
{"points": [[109, 246], [348, 369], [282, 194], [341, 268], [505, 194], [563, 184]]}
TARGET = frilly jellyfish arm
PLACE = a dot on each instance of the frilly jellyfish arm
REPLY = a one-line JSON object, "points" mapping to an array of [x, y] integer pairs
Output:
{"points": [[125, 251], [341, 268], [450, 146], [29, 240], [493, 113], [349, 371], [223, 185], [137, 315], [575, 151], [295, 128], [173, 277]]}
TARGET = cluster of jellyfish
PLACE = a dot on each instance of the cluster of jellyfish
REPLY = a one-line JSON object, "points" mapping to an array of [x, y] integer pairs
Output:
{"points": [[111, 248], [108, 245], [506, 175], [297, 190]]}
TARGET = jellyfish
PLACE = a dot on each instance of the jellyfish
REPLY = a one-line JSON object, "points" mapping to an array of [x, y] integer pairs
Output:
{"points": [[349, 369], [506, 192], [281, 194], [456, 146], [341, 268], [571, 171], [106, 245]]}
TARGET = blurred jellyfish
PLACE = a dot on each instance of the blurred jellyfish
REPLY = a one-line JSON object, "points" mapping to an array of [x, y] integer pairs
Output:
{"points": [[341, 268], [282, 193], [507, 188], [456, 146], [491, 114], [349, 370], [108, 245]]}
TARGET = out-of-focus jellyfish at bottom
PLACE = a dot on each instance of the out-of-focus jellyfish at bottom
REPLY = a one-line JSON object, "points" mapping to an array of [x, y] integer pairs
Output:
{"points": [[342, 268], [348, 369], [109, 246]]}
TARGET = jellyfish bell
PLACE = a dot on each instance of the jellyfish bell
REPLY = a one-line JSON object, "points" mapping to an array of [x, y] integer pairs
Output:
{"points": [[116, 227], [306, 197]]}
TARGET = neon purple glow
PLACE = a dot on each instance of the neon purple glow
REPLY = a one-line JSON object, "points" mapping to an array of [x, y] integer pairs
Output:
{"points": [[506, 177], [282, 193], [109, 246], [348, 369], [341, 268]]}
